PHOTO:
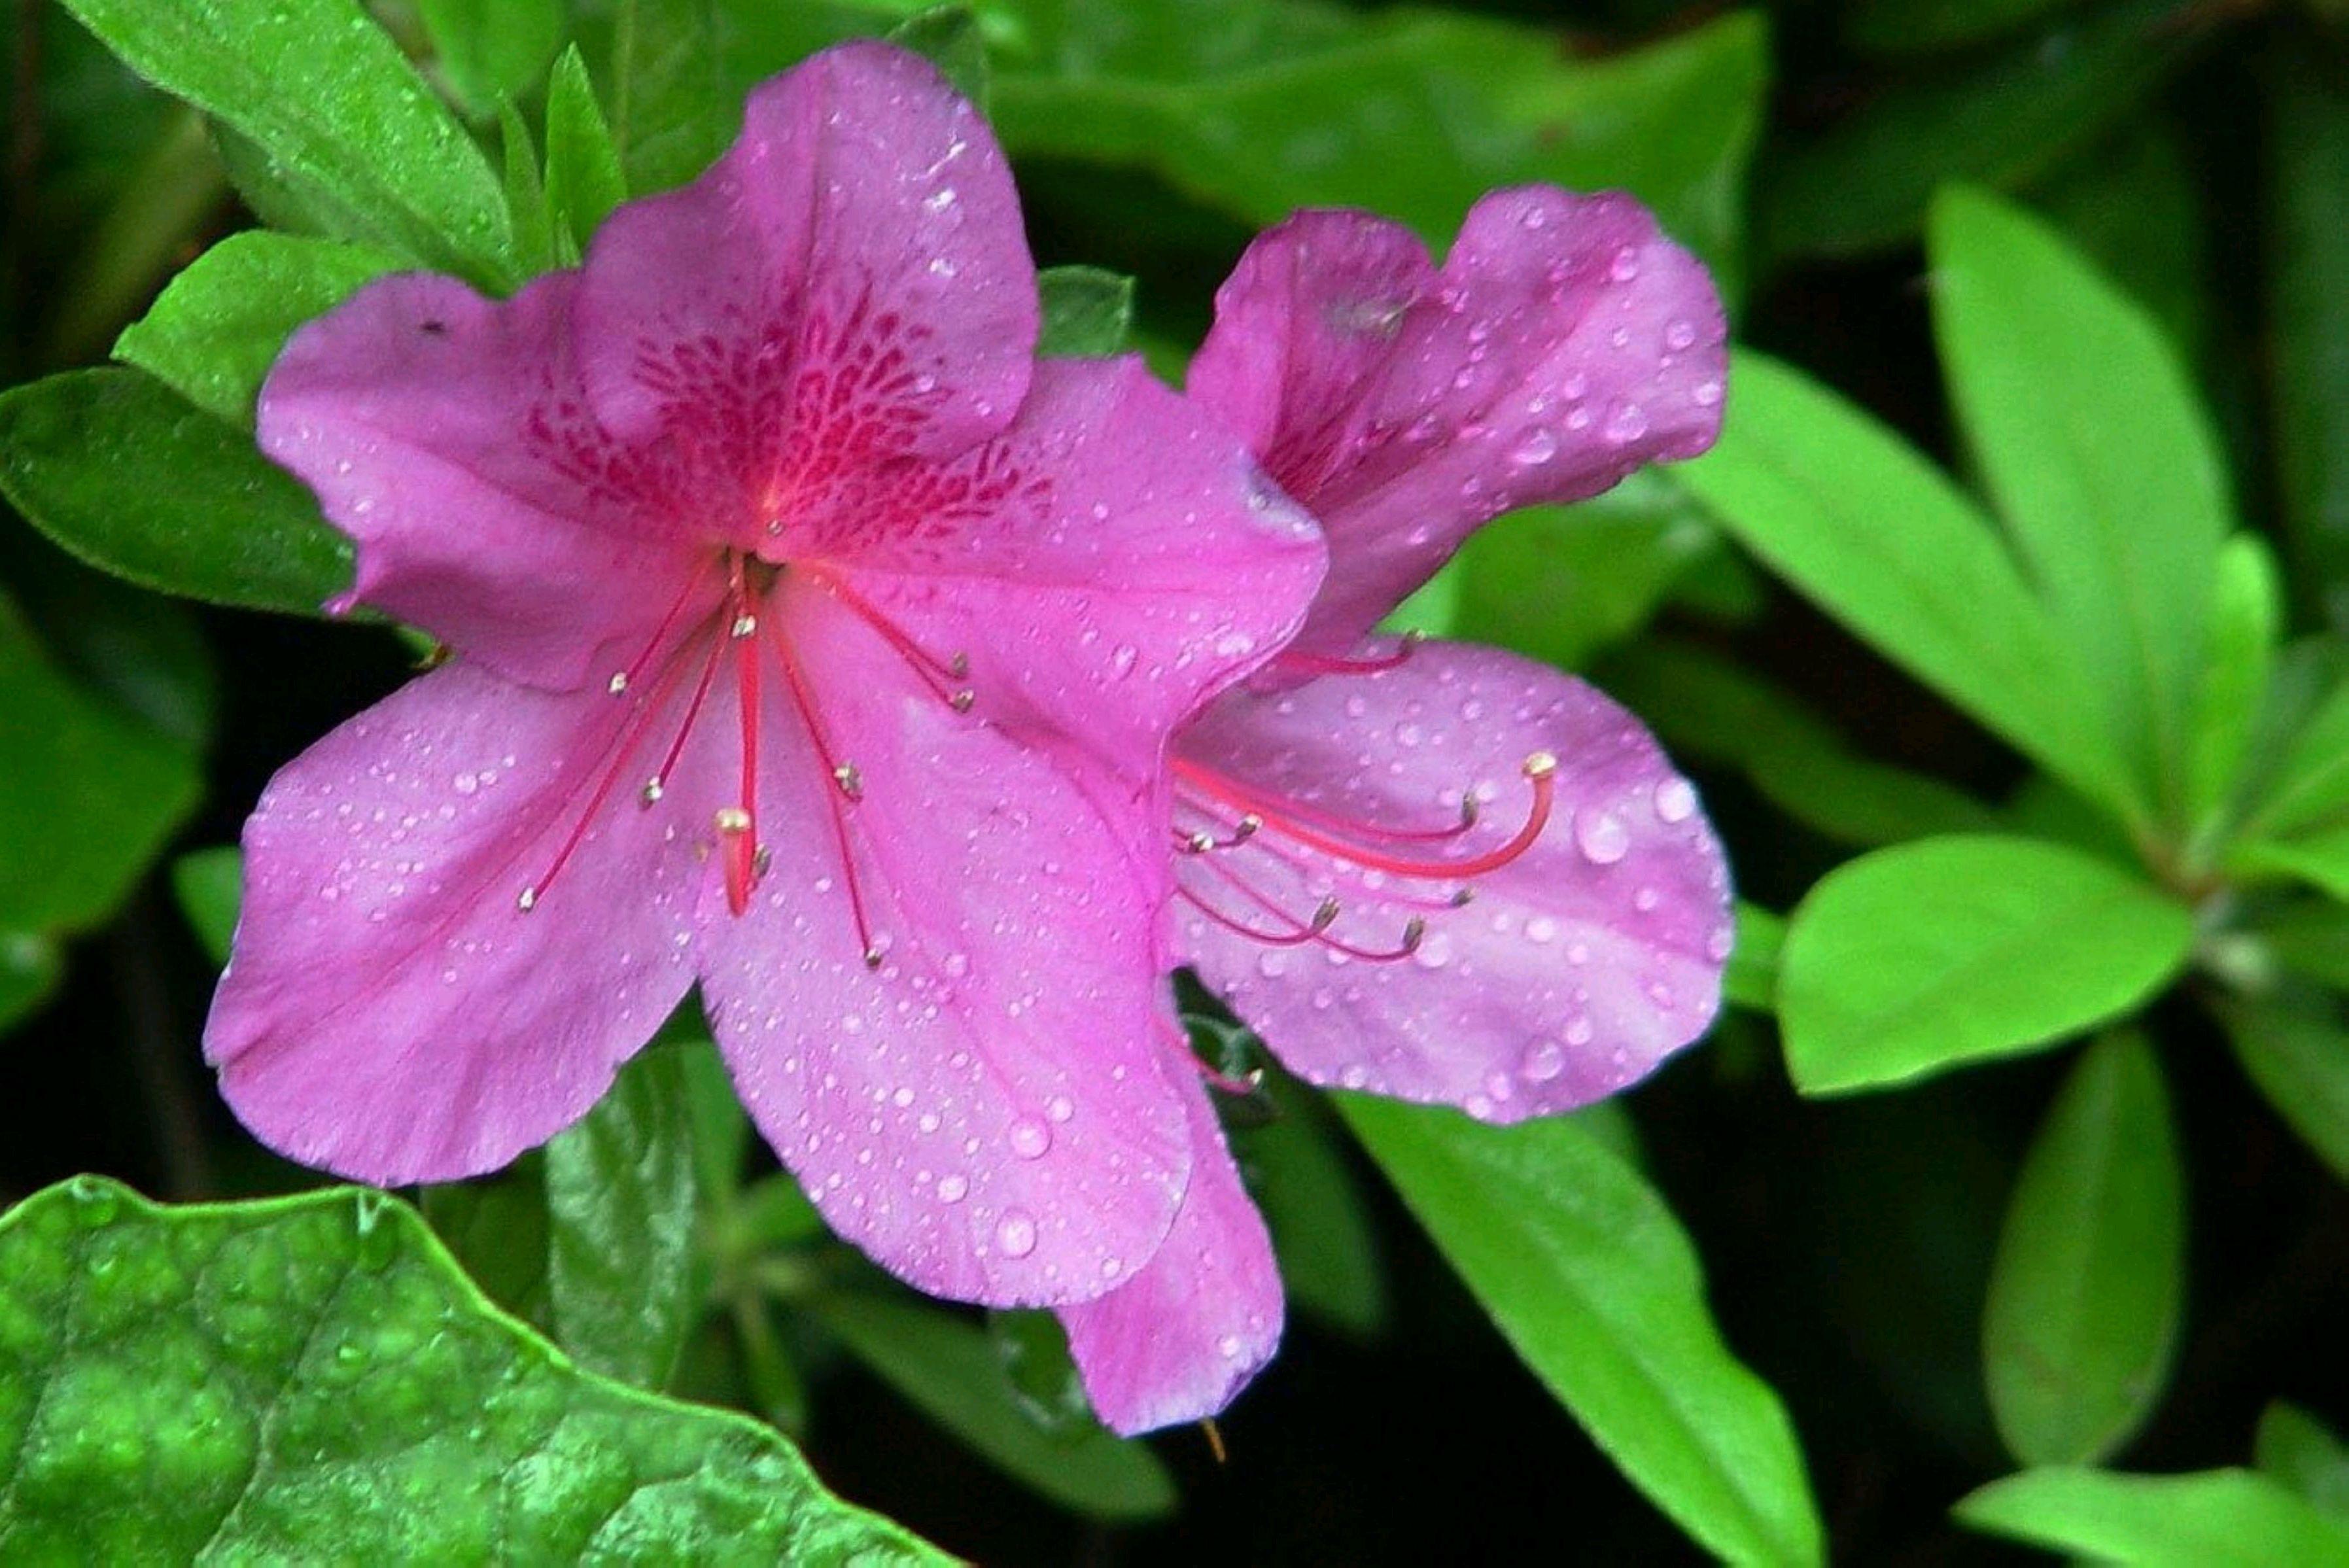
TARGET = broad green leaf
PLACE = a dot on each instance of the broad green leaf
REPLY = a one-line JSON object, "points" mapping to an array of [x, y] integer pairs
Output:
{"points": [[2084, 1299], [950, 38], [1589, 1277], [2307, 255], [147, 655], [326, 95], [1258, 109], [2211, 1519], [1924, 957], [526, 188], [129, 476], [2000, 117], [620, 1204], [583, 181], [2092, 442], [492, 50], [1087, 312], [1313, 1207], [208, 884], [2307, 786], [2297, 1449], [87, 796], [1710, 708], [311, 1378], [1560, 583], [214, 332], [2133, 204], [2319, 858], [1861, 524], [2299, 1059], [168, 204], [496, 1228], [949, 1369], [2246, 623], [1751, 979]]}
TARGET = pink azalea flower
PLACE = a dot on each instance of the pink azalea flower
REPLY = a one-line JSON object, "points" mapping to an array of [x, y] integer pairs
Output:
{"points": [[1435, 871], [812, 643]]}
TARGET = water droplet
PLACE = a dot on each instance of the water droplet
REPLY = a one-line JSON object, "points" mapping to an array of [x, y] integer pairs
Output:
{"points": [[1541, 928], [1536, 445], [1229, 1347], [1625, 266], [1059, 1108], [1680, 335], [1675, 801], [98, 1199], [1601, 837], [1029, 1138], [1122, 657], [1579, 1031], [1628, 423], [1544, 1060], [1016, 1233], [953, 1188]]}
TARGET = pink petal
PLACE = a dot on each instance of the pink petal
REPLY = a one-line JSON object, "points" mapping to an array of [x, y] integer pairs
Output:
{"points": [[986, 1113], [1110, 564], [848, 283], [389, 1013], [1577, 967], [444, 433], [1180, 1339], [1564, 342]]}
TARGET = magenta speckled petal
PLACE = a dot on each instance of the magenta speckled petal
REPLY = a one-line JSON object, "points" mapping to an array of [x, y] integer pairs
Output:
{"points": [[1180, 1339], [441, 432], [1107, 565], [1574, 968], [850, 283], [1564, 343], [391, 1011], [983, 1112]]}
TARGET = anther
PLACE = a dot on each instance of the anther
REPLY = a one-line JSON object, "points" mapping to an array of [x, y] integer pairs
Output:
{"points": [[1541, 765], [873, 957], [1325, 915], [960, 702], [618, 683], [760, 860], [1469, 810], [527, 901], [1199, 843], [733, 819], [1414, 930], [744, 625], [1463, 897], [851, 782], [651, 793], [958, 666], [1246, 827]]}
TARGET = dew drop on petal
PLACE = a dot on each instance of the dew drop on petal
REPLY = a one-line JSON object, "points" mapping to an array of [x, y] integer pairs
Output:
{"points": [[1030, 1138], [1601, 837], [1536, 445], [1544, 1060], [953, 1188], [1675, 801], [1016, 1233]]}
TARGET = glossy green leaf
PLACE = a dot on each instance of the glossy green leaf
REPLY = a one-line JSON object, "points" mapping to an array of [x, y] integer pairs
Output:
{"points": [[214, 332], [2246, 624], [2319, 858], [2001, 117], [1560, 583], [87, 796], [1088, 311], [1589, 1277], [2308, 784], [1751, 979], [1922, 957], [327, 96], [1313, 1207], [2298, 1057], [2092, 442], [1881, 539], [949, 1369], [2085, 1297], [620, 1201], [492, 50], [950, 38], [526, 188], [1706, 707], [2307, 255], [2211, 1519], [129, 476], [312, 1379], [583, 181], [2297, 1449], [1258, 109]]}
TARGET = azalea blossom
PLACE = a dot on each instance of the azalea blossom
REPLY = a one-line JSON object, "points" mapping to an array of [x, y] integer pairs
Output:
{"points": [[1429, 871], [811, 641]]}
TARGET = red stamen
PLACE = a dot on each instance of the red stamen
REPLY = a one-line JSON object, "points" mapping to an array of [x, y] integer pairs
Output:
{"points": [[935, 672], [1300, 932], [849, 787], [1288, 818], [623, 679], [1294, 661]]}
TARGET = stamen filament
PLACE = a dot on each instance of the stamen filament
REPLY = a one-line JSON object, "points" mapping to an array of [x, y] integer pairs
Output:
{"points": [[1296, 661], [1285, 817], [835, 799]]}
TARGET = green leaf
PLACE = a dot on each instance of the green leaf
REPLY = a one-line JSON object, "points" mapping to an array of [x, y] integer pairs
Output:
{"points": [[214, 334], [2094, 444], [492, 50], [1088, 311], [2319, 858], [208, 884], [2246, 624], [1589, 1277], [1924, 26], [949, 37], [327, 96], [620, 1201], [312, 1377], [2308, 938], [2308, 784], [2297, 1449], [30, 968], [2133, 204], [128, 475], [2001, 117], [88, 795], [526, 188], [2211, 1519], [949, 1369], [1320, 1232], [1881, 540], [2307, 255], [2299, 1059], [1259, 110], [1560, 583], [1751, 979], [2084, 1299], [496, 1228], [583, 181], [1922, 957], [1708, 706]]}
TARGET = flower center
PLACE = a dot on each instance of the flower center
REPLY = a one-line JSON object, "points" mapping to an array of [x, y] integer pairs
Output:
{"points": [[1234, 832], [738, 635]]}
